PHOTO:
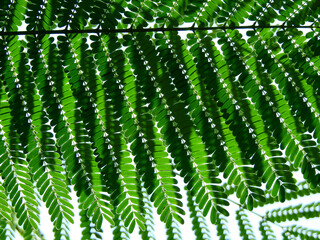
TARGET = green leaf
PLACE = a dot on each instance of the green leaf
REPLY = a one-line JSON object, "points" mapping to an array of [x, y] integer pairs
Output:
{"points": [[121, 105]]}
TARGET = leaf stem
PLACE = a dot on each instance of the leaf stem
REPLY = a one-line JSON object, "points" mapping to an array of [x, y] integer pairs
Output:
{"points": [[131, 30], [234, 202]]}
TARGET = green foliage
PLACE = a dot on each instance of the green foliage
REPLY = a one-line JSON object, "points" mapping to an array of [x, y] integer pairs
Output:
{"points": [[112, 100], [293, 213], [266, 231], [303, 233], [246, 231]]}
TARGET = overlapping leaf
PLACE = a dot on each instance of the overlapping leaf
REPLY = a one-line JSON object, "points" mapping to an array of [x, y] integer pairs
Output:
{"points": [[121, 104]]}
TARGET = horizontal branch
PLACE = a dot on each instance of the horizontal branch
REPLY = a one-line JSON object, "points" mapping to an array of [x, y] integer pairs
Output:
{"points": [[131, 30]]}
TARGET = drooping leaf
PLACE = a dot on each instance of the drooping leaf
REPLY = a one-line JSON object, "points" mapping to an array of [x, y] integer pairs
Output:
{"points": [[133, 103]]}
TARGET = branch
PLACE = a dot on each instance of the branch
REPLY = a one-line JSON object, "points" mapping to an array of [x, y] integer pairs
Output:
{"points": [[253, 212], [130, 30]]}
